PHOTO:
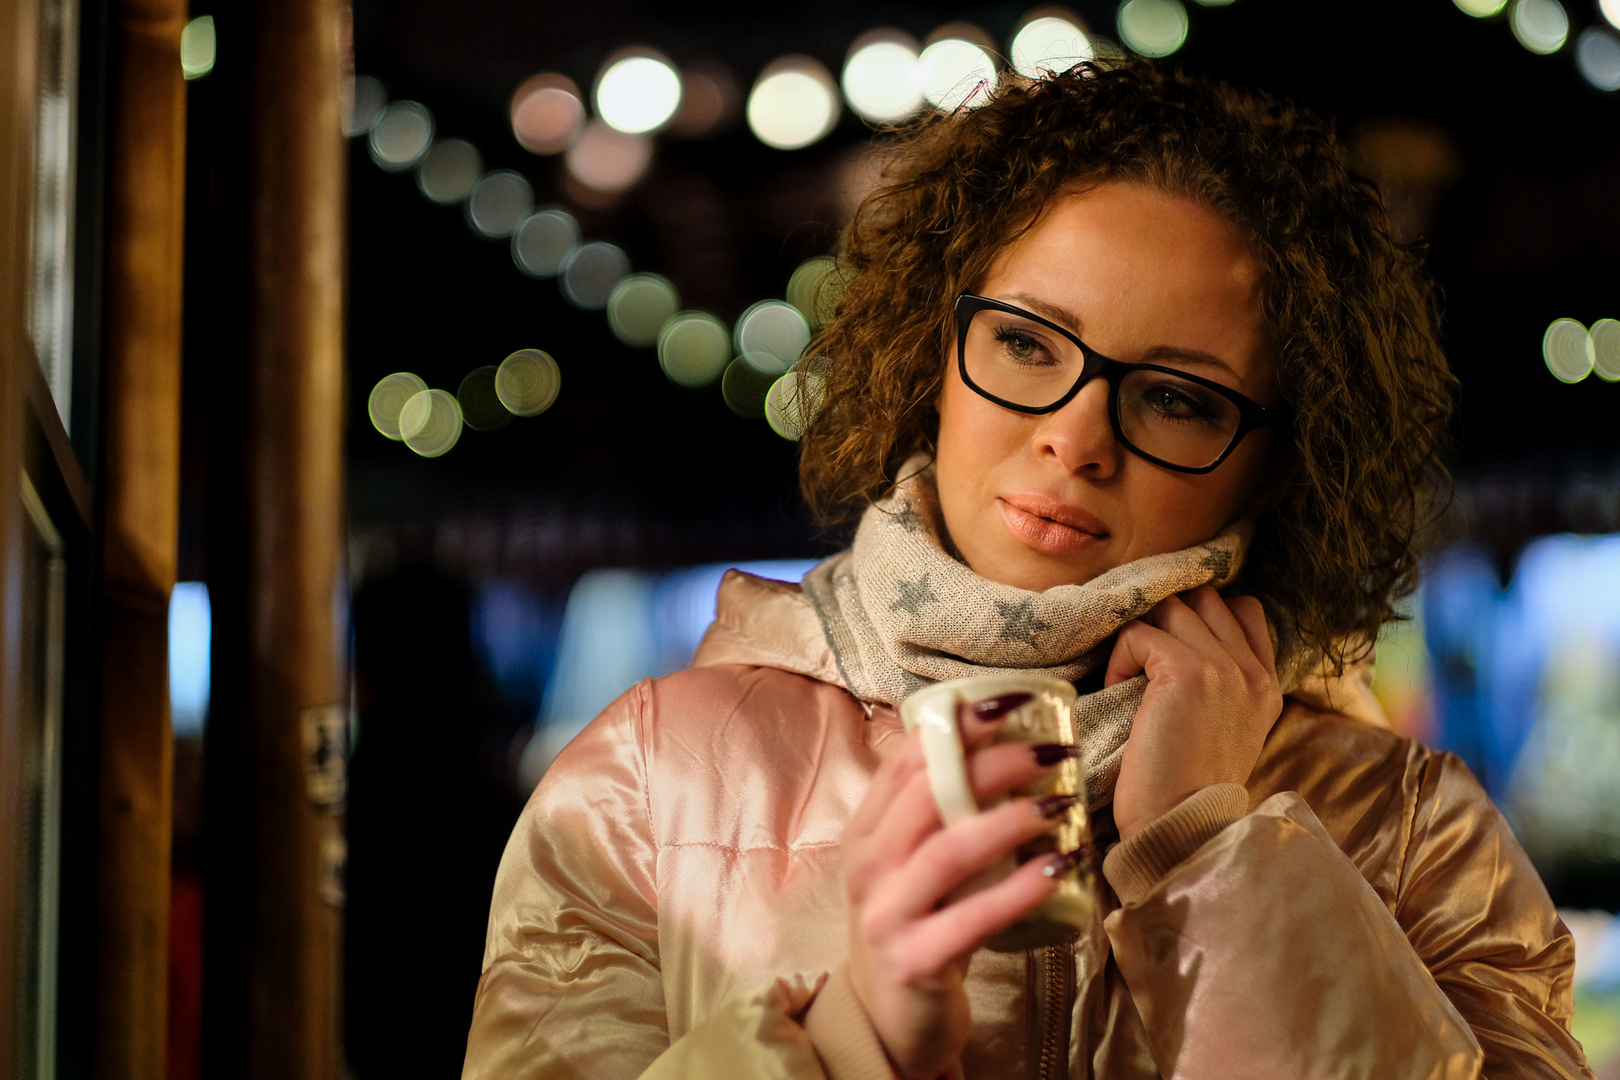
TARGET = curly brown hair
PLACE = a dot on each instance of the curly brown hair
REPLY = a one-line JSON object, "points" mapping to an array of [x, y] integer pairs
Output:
{"points": [[1352, 317]]}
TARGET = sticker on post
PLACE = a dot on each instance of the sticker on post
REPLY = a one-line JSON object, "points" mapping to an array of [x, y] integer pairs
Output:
{"points": [[325, 752]]}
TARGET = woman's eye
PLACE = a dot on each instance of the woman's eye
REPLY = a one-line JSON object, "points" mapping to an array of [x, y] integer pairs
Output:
{"points": [[1176, 403], [1021, 346]]}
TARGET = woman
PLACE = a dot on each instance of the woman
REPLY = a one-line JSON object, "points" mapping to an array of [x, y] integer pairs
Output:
{"points": [[1098, 333]]}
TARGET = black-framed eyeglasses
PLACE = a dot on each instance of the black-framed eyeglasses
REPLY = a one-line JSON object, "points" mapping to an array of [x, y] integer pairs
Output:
{"points": [[1024, 362]]}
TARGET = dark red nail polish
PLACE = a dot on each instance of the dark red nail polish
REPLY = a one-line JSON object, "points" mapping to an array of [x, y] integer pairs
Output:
{"points": [[1050, 753], [1051, 806], [1058, 865], [997, 707]]}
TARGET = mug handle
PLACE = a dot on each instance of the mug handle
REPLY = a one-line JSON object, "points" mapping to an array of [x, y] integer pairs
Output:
{"points": [[946, 762]]}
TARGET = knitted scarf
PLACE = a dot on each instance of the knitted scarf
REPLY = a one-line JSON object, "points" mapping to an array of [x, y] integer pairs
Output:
{"points": [[900, 612]]}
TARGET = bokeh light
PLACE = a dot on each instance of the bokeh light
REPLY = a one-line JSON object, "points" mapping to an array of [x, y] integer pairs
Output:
{"points": [[1567, 349], [693, 348], [793, 103], [527, 382], [772, 333], [1542, 26], [1611, 11], [608, 160], [591, 272], [401, 135], [1050, 43], [815, 289], [709, 100], [638, 308], [747, 380], [881, 81], [956, 72], [363, 102], [638, 94], [544, 241], [793, 401], [499, 203], [430, 423], [547, 114], [1480, 9], [1597, 55], [481, 407], [1154, 27], [449, 171], [1605, 337], [388, 397], [198, 47]]}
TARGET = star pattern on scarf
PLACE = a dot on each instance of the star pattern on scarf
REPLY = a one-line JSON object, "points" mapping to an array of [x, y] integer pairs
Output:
{"points": [[1136, 608], [914, 596], [1019, 621], [1218, 562], [909, 519]]}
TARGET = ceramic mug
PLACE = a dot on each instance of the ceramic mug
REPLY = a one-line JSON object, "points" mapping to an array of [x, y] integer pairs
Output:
{"points": [[1044, 718]]}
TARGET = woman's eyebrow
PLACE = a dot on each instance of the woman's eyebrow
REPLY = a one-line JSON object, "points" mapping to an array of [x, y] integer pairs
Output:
{"points": [[1157, 354], [1160, 353], [1050, 311]]}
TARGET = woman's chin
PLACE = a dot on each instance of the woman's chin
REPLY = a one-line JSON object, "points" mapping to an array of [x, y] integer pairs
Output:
{"points": [[1033, 571]]}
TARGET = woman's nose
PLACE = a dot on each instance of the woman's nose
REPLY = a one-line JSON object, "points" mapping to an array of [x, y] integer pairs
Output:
{"points": [[1080, 436]]}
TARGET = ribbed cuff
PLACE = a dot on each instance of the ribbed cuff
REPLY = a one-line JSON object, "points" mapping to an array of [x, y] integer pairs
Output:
{"points": [[1138, 864], [843, 1035]]}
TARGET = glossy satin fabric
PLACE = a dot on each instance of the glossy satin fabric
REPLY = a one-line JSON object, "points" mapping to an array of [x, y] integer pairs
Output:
{"points": [[670, 901]]}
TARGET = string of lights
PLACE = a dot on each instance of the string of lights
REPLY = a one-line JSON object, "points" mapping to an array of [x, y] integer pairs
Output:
{"points": [[639, 94]]}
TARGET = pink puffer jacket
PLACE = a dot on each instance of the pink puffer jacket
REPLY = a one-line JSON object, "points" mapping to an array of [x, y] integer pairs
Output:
{"points": [[670, 904]]}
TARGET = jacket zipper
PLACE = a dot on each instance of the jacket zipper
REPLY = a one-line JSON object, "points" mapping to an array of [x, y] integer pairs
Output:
{"points": [[1053, 1004]]}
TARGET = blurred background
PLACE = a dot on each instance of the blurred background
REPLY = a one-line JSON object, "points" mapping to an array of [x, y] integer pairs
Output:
{"points": [[584, 243]]}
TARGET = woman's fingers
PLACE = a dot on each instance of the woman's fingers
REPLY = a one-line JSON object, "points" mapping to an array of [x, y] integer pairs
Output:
{"points": [[912, 815], [1209, 608], [1139, 649], [963, 926], [1251, 616], [978, 721], [1205, 624], [948, 858]]}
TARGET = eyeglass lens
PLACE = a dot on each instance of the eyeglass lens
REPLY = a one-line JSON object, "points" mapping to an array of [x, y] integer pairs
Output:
{"points": [[1028, 363]]}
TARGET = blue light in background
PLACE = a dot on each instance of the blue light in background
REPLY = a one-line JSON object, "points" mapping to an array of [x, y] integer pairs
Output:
{"points": [[190, 634], [1491, 646], [621, 626], [515, 632]]}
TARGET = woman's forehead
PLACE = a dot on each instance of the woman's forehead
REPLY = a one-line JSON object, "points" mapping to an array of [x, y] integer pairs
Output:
{"points": [[1141, 271]]}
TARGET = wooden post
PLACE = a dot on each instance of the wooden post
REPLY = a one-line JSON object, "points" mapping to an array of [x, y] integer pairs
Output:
{"points": [[140, 533], [17, 90], [276, 544]]}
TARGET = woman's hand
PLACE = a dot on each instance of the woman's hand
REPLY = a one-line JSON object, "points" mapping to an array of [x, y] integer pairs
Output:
{"points": [[1212, 697], [909, 950]]}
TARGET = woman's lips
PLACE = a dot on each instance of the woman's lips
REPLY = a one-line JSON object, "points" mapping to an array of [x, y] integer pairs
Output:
{"points": [[1051, 527]]}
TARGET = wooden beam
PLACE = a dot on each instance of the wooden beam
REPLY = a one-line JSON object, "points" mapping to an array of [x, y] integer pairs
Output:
{"points": [[17, 104], [276, 548], [140, 532]]}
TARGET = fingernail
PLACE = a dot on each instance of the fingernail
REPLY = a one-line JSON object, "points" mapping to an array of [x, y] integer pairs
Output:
{"points": [[997, 707], [1050, 753], [1051, 806], [1058, 865]]}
